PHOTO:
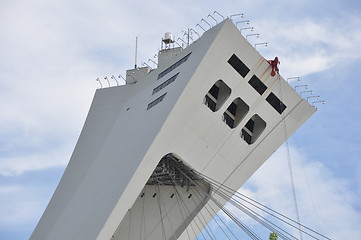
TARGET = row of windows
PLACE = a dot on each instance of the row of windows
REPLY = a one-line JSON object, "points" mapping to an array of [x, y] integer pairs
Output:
{"points": [[235, 112], [256, 83], [175, 65], [217, 95], [272, 99], [238, 65], [253, 129], [165, 83], [156, 101]]}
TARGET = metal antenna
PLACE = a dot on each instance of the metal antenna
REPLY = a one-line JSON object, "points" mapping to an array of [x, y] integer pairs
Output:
{"points": [[188, 35], [98, 80], [218, 14], [209, 15], [206, 22], [200, 27], [115, 79], [136, 52]]}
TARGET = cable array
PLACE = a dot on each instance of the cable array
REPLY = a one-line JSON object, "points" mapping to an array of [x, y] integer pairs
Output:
{"points": [[225, 213]]}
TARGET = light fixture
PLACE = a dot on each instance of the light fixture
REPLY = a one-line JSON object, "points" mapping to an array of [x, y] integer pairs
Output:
{"points": [[254, 34], [98, 80], [209, 15], [106, 78], [318, 97], [235, 15], [292, 78], [247, 28], [206, 22], [321, 101], [200, 27], [305, 86], [218, 14], [264, 44], [115, 79], [244, 21], [308, 91]]}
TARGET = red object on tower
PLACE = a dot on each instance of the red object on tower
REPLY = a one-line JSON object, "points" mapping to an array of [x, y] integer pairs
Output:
{"points": [[274, 64]]}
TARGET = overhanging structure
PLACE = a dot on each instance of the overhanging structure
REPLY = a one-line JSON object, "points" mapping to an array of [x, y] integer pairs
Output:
{"points": [[210, 109]]}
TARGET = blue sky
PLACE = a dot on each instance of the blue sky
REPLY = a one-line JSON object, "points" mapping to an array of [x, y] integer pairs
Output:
{"points": [[52, 52]]}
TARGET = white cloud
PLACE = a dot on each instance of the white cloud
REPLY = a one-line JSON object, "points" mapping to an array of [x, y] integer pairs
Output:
{"points": [[4, 190], [19, 205], [51, 55], [16, 165], [308, 46]]}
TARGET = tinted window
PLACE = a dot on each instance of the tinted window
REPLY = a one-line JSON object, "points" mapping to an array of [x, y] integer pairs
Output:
{"points": [[156, 101], [175, 65], [276, 103], [257, 84], [164, 84], [238, 65], [235, 112], [253, 129]]}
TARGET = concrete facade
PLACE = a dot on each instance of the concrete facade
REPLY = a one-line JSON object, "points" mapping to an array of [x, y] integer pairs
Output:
{"points": [[130, 128]]}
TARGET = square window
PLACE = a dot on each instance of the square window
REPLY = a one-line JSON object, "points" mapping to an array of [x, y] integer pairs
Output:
{"points": [[253, 129], [276, 103], [238, 65], [257, 84], [236, 111], [217, 95]]}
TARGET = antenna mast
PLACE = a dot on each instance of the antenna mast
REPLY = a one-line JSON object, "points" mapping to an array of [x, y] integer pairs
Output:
{"points": [[136, 52]]}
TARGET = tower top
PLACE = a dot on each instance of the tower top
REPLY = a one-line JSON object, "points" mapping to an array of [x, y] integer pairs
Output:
{"points": [[168, 38]]}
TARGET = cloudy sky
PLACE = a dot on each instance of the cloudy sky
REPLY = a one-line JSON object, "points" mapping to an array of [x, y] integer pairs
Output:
{"points": [[51, 52]]}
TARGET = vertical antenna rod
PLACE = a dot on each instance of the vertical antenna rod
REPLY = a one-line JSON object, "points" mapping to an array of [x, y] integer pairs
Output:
{"points": [[136, 52], [188, 36]]}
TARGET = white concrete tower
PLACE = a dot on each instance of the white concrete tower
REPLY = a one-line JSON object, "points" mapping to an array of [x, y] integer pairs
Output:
{"points": [[211, 109]]}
